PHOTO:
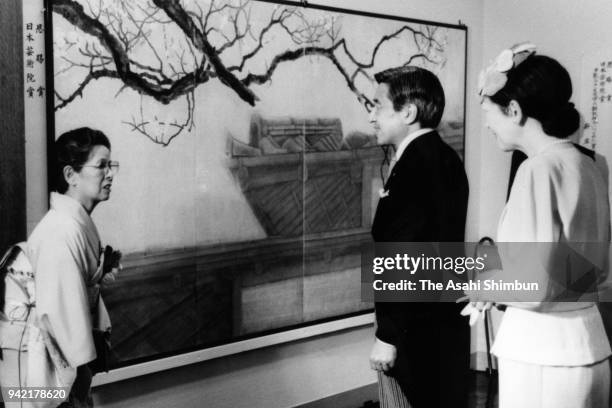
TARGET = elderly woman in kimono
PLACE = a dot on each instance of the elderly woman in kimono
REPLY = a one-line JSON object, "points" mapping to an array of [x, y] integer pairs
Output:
{"points": [[65, 252], [550, 354]]}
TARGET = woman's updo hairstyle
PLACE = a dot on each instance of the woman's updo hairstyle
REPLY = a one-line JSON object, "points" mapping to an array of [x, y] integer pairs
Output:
{"points": [[542, 87], [73, 149]]}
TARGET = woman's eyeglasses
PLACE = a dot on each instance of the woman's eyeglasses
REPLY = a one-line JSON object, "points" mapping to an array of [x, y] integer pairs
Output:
{"points": [[104, 166]]}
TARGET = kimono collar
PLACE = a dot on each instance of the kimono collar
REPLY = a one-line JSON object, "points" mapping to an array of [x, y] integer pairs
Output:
{"points": [[71, 207]]}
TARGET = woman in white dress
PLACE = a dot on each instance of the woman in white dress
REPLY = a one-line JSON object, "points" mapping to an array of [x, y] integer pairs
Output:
{"points": [[550, 356]]}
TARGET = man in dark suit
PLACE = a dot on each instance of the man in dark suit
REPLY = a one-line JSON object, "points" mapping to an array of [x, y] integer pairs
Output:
{"points": [[421, 350]]}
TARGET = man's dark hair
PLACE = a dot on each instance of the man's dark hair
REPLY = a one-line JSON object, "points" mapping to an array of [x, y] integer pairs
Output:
{"points": [[418, 86], [73, 149]]}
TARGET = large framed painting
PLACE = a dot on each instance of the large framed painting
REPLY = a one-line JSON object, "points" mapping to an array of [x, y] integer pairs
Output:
{"points": [[249, 169]]}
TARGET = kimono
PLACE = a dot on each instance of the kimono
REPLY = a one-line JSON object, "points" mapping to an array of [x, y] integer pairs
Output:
{"points": [[555, 358], [64, 250], [52, 305]]}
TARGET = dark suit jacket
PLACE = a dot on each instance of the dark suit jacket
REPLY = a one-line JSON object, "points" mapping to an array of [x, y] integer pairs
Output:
{"points": [[427, 202]]}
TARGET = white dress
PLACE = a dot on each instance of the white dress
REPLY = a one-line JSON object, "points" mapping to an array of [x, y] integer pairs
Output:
{"points": [[554, 359]]}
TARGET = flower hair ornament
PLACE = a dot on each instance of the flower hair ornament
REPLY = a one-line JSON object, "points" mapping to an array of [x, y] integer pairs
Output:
{"points": [[495, 76]]}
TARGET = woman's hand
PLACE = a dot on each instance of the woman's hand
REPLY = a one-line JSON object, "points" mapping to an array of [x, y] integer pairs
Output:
{"points": [[383, 355]]}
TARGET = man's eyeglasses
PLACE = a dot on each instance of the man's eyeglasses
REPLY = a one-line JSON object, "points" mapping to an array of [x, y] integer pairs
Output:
{"points": [[104, 166]]}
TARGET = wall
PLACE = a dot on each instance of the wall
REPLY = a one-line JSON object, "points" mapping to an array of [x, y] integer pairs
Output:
{"points": [[564, 29], [312, 369]]}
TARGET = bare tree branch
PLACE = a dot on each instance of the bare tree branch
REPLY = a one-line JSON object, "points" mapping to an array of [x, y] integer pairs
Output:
{"points": [[173, 67], [384, 39], [284, 14], [237, 34], [144, 126], [74, 13], [176, 12], [102, 73]]}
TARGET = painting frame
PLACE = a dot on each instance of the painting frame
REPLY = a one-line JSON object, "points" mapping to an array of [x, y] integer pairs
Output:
{"points": [[250, 339]]}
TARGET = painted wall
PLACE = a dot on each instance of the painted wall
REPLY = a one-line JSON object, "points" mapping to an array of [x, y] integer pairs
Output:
{"points": [[183, 194], [312, 369], [214, 201]]}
